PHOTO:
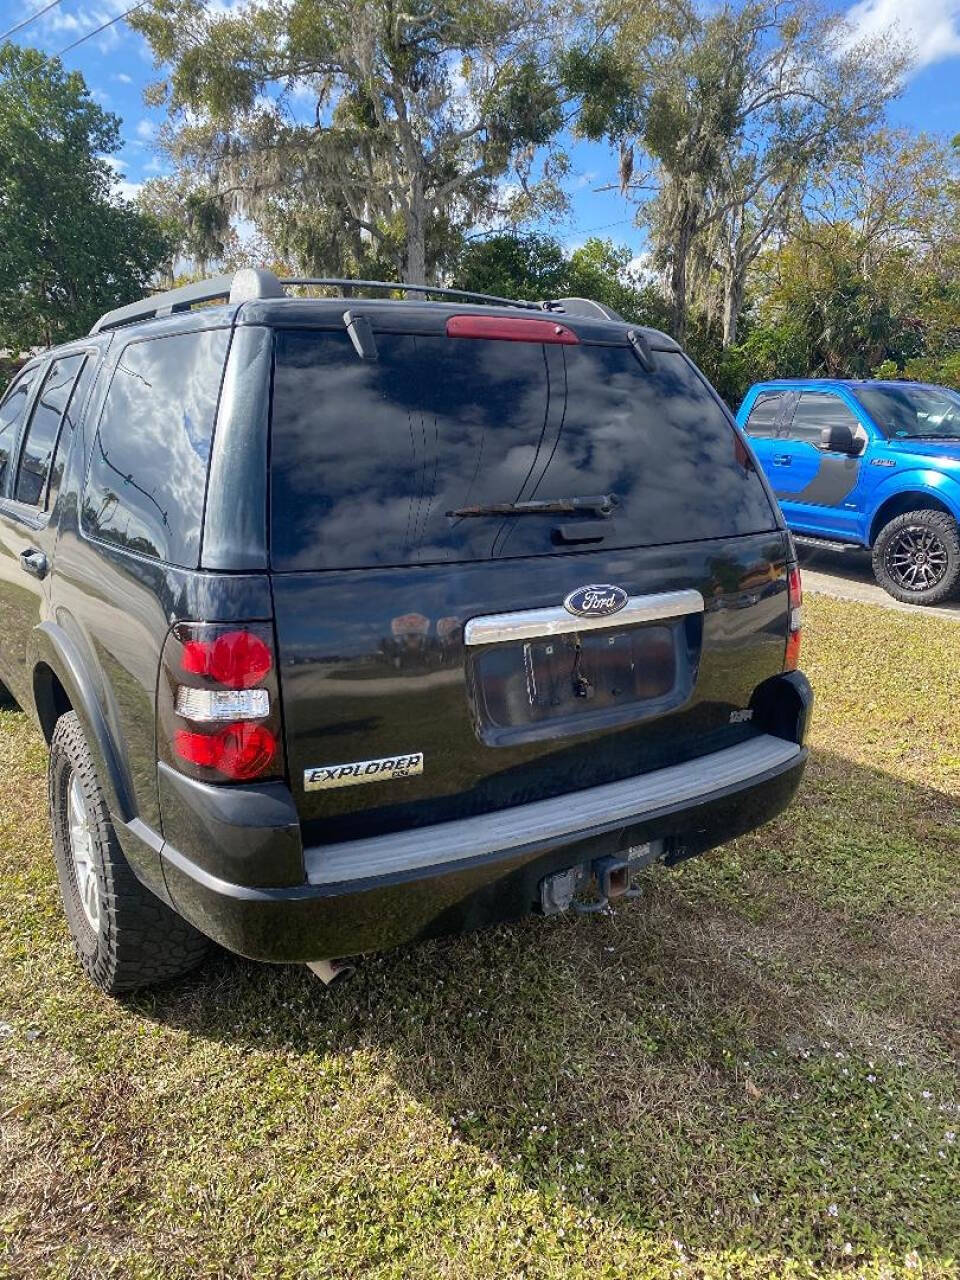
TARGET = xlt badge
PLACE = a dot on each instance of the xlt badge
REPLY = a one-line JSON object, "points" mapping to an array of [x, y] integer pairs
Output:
{"points": [[348, 775]]}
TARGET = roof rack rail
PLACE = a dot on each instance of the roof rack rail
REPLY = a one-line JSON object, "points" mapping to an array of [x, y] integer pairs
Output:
{"points": [[251, 283], [584, 307], [416, 288]]}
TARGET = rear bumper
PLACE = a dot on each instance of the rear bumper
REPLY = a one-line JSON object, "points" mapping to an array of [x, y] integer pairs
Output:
{"points": [[373, 894]]}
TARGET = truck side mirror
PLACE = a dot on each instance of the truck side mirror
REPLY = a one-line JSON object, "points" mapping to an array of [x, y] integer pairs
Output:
{"points": [[839, 439]]}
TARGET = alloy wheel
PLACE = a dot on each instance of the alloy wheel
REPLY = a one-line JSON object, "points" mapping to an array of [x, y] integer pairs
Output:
{"points": [[917, 558], [82, 852]]}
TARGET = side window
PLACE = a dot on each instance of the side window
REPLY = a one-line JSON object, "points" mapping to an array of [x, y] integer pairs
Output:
{"points": [[816, 410], [148, 471], [762, 421], [44, 427], [11, 415], [81, 390]]}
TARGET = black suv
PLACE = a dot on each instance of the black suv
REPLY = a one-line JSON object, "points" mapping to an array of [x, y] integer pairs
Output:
{"points": [[353, 620]]}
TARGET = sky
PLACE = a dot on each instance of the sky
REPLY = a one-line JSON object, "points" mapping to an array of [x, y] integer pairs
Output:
{"points": [[117, 65]]}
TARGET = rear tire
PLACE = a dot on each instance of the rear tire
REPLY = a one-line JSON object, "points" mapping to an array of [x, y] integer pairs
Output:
{"points": [[124, 936], [916, 557]]}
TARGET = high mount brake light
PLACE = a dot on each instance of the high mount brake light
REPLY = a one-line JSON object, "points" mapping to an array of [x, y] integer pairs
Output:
{"points": [[791, 658], [511, 329], [219, 702]]}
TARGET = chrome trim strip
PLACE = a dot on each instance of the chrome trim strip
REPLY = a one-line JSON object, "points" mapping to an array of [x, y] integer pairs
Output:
{"points": [[529, 624], [608, 806]]}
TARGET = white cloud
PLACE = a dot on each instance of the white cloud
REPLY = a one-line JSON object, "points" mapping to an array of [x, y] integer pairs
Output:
{"points": [[302, 91], [640, 268], [146, 129], [930, 27], [245, 228], [120, 185], [60, 25], [127, 190], [123, 78]]}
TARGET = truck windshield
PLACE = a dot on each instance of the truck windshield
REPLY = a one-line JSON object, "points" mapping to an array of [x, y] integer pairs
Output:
{"points": [[921, 413]]}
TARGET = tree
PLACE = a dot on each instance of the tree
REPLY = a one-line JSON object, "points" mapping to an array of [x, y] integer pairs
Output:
{"points": [[197, 229], [418, 111], [735, 109], [601, 270], [867, 279], [514, 266], [68, 250], [535, 266], [893, 190]]}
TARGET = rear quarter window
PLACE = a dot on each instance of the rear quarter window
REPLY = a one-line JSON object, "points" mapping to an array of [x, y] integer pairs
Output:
{"points": [[12, 410], [43, 431], [148, 470], [762, 421], [368, 457]]}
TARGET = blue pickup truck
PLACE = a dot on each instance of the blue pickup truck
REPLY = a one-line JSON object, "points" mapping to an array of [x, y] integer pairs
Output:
{"points": [[867, 464]]}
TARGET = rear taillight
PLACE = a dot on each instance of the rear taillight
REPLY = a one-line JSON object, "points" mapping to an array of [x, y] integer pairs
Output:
{"points": [[219, 702], [791, 659]]}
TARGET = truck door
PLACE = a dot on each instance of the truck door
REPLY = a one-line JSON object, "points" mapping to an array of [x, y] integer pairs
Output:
{"points": [[819, 490], [767, 414], [31, 487]]}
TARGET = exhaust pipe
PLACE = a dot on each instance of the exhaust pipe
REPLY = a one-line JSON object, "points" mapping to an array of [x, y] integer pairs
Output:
{"points": [[331, 972]]}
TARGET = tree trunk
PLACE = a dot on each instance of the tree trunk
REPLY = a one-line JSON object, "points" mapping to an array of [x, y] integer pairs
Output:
{"points": [[686, 229], [678, 293], [733, 290], [415, 270]]}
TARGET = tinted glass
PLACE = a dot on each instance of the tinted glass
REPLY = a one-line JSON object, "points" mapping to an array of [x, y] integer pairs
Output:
{"points": [[148, 472], [763, 416], [41, 438], [815, 411], [370, 457], [924, 412], [74, 408], [11, 415]]}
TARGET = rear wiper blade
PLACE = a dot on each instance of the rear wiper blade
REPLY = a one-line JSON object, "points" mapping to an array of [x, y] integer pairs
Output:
{"points": [[602, 505]]}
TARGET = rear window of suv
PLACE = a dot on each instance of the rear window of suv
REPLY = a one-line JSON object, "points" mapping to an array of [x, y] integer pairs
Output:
{"points": [[369, 456]]}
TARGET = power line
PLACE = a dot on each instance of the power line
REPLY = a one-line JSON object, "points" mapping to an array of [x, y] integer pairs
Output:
{"points": [[26, 21], [102, 27]]}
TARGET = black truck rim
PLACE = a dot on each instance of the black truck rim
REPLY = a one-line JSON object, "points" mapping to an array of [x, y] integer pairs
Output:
{"points": [[917, 558]]}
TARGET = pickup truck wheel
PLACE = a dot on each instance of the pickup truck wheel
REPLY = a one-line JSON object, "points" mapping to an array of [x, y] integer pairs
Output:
{"points": [[125, 937], [916, 557]]}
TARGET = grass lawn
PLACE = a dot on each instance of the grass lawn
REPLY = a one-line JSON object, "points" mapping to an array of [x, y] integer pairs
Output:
{"points": [[750, 1071]]}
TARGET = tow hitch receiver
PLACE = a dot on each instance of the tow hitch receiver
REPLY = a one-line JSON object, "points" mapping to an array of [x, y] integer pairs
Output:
{"points": [[612, 877]]}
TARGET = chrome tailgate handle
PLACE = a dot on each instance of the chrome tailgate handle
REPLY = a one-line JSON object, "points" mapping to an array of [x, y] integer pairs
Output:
{"points": [[528, 624]]}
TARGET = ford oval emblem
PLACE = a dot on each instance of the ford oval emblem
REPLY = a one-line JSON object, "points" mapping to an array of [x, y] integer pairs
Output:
{"points": [[595, 601]]}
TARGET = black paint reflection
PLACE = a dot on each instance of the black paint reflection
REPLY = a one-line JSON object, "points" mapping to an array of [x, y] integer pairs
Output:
{"points": [[41, 438], [146, 487], [368, 456]]}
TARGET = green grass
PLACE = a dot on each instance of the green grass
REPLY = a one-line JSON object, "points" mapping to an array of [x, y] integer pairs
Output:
{"points": [[750, 1071]]}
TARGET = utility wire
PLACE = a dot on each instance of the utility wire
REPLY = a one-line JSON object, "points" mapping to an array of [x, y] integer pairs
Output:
{"points": [[102, 27], [26, 21]]}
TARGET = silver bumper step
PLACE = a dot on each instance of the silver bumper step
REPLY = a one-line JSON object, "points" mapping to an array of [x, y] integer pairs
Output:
{"points": [[608, 806]]}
